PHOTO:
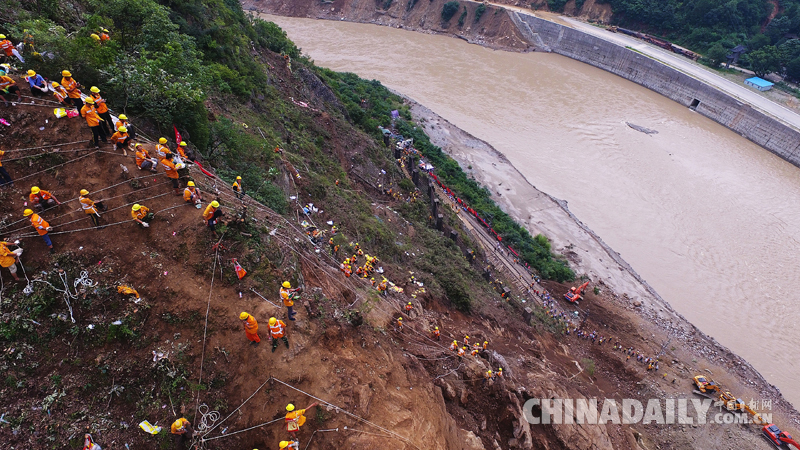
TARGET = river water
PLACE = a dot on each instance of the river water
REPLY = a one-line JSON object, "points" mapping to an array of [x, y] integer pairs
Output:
{"points": [[708, 218]]}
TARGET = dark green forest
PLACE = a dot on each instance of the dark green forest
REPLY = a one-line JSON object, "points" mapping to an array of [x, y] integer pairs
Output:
{"points": [[769, 29]]}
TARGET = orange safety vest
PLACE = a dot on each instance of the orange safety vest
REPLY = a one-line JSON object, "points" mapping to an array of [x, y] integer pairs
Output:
{"points": [[90, 114], [100, 103], [118, 137], [141, 155], [7, 47], [71, 86], [88, 205], [7, 257], [188, 193], [40, 224], [170, 169], [141, 213], [295, 420], [237, 186], [161, 150], [277, 330], [1, 157], [251, 325], [6, 82], [59, 93], [209, 212]]}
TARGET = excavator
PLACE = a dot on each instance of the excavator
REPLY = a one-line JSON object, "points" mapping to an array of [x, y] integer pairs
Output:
{"points": [[576, 293], [778, 437], [710, 389]]}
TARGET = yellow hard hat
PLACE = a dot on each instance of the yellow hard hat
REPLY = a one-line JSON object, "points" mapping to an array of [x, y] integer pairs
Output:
{"points": [[105, 31], [66, 73], [191, 183], [123, 117], [123, 129], [455, 342], [215, 204], [55, 84], [436, 328], [162, 140], [466, 337], [400, 319], [136, 207], [31, 73], [409, 303], [273, 321], [500, 369], [238, 178], [95, 89], [89, 100], [290, 407], [27, 212], [464, 347], [286, 284], [84, 192], [2, 36], [183, 144], [243, 315], [35, 190], [284, 444], [94, 36]]}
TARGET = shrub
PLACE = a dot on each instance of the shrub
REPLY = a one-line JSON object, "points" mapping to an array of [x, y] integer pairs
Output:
{"points": [[479, 12], [449, 10], [462, 18], [556, 5]]}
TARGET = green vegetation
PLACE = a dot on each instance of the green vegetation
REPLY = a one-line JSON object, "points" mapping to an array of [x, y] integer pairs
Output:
{"points": [[449, 10], [462, 17], [479, 12], [556, 5]]}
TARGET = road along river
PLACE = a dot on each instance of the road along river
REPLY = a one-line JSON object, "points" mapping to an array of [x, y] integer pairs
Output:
{"points": [[709, 219]]}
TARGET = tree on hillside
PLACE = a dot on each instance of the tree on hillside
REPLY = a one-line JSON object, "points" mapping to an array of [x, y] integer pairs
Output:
{"points": [[793, 70], [449, 10], [716, 55], [765, 60]]}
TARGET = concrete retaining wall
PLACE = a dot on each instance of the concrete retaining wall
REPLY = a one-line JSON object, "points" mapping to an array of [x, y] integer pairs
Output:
{"points": [[756, 126]]}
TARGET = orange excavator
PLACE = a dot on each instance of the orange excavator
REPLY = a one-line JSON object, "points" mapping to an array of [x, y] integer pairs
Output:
{"points": [[708, 388], [576, 293], [778, 437]]}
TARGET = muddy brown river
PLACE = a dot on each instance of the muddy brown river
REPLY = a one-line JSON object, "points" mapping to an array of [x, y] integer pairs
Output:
{"points": [[708, 218]]}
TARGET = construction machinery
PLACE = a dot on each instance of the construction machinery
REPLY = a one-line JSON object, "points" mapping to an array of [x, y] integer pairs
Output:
{"points": [[576, 293], [705, 385], [778, 437]]}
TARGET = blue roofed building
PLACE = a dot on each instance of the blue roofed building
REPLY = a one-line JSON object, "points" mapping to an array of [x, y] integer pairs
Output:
{"points": [[759, 83]]}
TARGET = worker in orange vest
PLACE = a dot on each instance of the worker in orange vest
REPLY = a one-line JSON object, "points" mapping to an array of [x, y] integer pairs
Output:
{"points": [[454, 346], [8, 50], [8, 86], [102, 109], [9, 258], [296, 418], [399, 324], [238, 189], [466, 340], [171, 171], [89, 112], [277, 330], [250, 327], [291, 445], [461, 352], [60, 94], [143, 159], [73, 89], [120, 139], [182, 431], [409, 307], [141, 214], [211, 215], [289, 295], [161, 148], [436, 334], [485, 343], [192, 195], [90, 207], [42, 198], [41, 226]]}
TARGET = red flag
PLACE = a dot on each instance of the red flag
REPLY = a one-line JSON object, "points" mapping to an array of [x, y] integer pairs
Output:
{"points": [[177, 135]]}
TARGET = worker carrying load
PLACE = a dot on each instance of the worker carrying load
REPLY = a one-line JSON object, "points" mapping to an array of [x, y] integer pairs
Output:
{"points": [[211, 214], [277, 330], [36, 83], [10, 258], [90, 207], [182, 431], [42, 198], [8, 86], [8, 50], [171, 170], [142, 215], [192, 195], [41, 226], [296, 418], [289, 295], [93, 119], [237, 188], [250, 327], [102, 109], [73, 89], [161, 148]]}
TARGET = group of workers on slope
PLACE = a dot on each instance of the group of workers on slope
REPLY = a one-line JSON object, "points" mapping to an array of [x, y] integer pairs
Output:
{"points": [[277, 327]]}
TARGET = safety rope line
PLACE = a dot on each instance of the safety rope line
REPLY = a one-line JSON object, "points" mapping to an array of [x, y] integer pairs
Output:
{"points": [[204, 439], [205, 329], [42, 147], [237, 409], [57, 165]]}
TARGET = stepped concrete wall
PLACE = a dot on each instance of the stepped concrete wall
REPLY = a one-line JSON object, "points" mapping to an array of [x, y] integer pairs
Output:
{"points": [[740, 117]]}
